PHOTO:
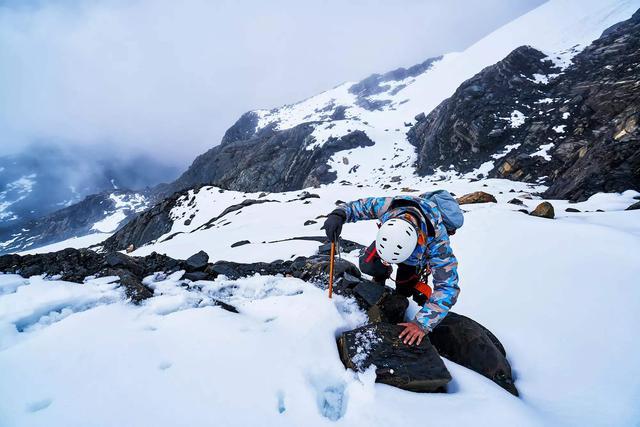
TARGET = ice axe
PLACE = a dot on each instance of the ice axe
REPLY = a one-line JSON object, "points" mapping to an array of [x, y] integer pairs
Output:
{"points": [[331, 262]]}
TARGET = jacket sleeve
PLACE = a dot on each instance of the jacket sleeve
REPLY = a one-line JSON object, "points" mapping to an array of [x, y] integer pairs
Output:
{"points": [[369, 208], [444, 270]]}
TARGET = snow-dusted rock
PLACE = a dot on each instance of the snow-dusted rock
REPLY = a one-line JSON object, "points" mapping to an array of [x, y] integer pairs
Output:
{"points": [[416, 368]]}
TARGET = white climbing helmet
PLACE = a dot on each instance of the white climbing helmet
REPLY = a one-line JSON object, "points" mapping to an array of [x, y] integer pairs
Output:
{"points": [[396, 240]]}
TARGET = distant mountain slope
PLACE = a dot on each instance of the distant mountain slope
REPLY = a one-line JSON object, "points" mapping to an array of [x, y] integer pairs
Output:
{"points": [[45, 178], [99, 213], [284, 148], [574, 128]]}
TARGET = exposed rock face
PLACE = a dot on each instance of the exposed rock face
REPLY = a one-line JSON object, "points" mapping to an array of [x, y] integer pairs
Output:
{"points": [[415, 368], [476, 197], [578, 128], [475, 123], [269, 160], [544, 210], [473, 346], [75, 220], [146, 227], [377, 83]]}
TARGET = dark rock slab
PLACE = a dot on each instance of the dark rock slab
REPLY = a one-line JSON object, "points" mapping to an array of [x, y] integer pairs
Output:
{"points": [[633, 207], [390, 309], [414, 368], [515, 201], [572, 210], [371, 293], [240, 243], [468, 343], [197, 262]]}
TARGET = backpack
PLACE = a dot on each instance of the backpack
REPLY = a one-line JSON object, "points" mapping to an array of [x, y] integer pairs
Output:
{"points": [[448, 206]]}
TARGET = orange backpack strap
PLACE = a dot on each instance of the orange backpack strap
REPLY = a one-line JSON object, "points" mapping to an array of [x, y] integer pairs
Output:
{"points": [[423, 288]]}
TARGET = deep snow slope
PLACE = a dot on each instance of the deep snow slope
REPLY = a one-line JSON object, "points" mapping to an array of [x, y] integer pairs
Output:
{"points": [[560, 294]]}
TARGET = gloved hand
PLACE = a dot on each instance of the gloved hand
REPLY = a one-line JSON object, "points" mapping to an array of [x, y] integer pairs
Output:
{"points": [[333, 224]]}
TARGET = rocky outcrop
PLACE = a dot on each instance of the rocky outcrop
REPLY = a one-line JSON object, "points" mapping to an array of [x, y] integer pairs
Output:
{"points": [[269, 160], [75, 220], [575, 129], [482, 116], [379, 83], [146, 227]]}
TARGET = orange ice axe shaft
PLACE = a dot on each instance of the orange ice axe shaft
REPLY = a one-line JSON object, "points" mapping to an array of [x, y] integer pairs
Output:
{"points": [[331, 262]]}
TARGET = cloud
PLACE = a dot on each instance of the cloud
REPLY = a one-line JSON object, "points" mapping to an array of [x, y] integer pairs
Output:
{"points": [[167, 78]]}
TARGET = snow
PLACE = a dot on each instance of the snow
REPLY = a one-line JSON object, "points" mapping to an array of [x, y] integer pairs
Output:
{"points": [[124, 204], [559, 128], [73, 242], [543, 151], [507, 149], [110, 223], [276, 363], [517, 119], [565, 115]]}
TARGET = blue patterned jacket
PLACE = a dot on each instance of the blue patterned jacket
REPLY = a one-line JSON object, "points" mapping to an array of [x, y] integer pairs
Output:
{"points": [[432, 251]]}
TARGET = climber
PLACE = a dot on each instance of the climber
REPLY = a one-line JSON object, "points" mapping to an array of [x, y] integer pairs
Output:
{"points": [[414, 234]]}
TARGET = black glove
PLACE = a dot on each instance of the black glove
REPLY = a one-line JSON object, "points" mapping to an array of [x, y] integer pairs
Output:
{"points": [[333, 224]]}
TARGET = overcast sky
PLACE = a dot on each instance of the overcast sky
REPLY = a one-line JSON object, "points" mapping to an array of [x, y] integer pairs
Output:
{"points": [[169, 77]]}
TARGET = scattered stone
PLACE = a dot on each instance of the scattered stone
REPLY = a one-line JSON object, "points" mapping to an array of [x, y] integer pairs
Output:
{"points": [[544, 210], [476, 197], [572, 210], [310, 222], [130, 248], [467, 343], [633, 207], [197, 262], [240, 243], [416, 368], [516, 201], [523, 211]]}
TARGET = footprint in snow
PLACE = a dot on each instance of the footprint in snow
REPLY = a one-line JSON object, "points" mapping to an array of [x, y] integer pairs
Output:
{"points": [[163, 366], [280, 397], [38, 405]]}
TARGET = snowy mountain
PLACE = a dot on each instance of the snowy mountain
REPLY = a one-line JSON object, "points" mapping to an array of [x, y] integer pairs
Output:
{"points": [[358, 131], [220, 315], [88, 222]]}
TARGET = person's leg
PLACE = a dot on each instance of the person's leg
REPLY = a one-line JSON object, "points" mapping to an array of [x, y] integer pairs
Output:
{"points": [[371, 264]]}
